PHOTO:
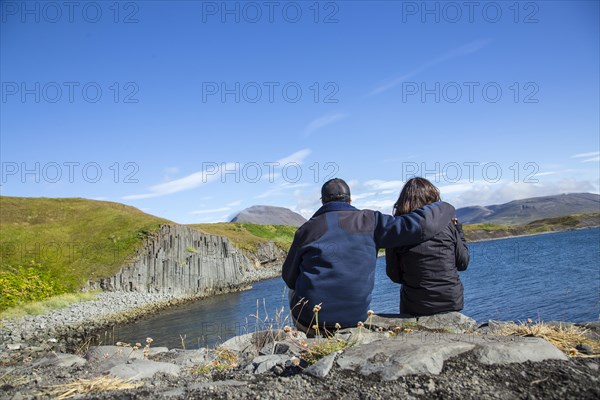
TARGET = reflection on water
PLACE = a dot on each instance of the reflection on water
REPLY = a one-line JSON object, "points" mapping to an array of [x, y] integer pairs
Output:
{"points": [[212, 320], [550, 277]]}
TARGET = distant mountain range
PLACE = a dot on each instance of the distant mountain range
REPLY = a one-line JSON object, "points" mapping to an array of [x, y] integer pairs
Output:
{"points": [[527, 210], [516, 212], [269, 215]]}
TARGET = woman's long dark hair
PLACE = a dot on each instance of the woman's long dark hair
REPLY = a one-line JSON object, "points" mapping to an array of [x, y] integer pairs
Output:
{"points": [[416, 193]]}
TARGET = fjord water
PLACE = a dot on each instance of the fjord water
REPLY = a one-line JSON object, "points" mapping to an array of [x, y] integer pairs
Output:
{"points": [[547, 277]]}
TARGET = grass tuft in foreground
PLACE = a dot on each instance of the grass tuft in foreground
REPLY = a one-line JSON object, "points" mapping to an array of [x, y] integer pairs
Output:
{"points": [[224, 360], [86, 386], [324, 348]]}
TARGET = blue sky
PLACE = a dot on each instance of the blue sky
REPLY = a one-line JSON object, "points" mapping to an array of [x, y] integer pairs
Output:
{"points": [[194, 110]]}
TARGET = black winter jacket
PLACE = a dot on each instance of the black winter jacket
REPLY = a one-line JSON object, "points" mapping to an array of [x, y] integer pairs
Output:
{"points": [[333, 255], [428, 272]]}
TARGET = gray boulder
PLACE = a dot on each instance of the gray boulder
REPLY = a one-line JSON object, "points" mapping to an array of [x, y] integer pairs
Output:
{"points": [[60, 360], [290, 347], [157, 350], [263, 364], [390, 359], [518, 351], [103, 353], [190, 358], [141, 369], [360, 335], [253, 343], [452, 322]]}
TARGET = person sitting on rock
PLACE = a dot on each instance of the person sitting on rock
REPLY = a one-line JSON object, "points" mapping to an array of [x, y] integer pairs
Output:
{"points": [[330, 267], [428, 272]]}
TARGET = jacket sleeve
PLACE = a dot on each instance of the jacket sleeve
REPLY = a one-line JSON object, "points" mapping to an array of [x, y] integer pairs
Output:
{"points": [[392, 266], [412, 228], [291, 265], [462, 251]]}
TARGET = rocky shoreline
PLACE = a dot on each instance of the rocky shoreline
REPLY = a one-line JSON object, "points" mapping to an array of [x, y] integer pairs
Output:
{"points": [[67, 328], [491, 238], [446, 356]]}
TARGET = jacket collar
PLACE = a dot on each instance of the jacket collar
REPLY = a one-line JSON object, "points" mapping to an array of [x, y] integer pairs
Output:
{"points": [[334, 206]]}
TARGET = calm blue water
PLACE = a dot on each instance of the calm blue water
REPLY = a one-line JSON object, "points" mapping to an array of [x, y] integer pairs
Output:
{"points": [[548, 277]]}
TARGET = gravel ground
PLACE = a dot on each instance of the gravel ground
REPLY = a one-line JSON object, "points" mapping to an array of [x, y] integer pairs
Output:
{"points": [[461, 378]]}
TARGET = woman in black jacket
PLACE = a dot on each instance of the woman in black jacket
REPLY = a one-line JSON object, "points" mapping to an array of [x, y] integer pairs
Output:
{"points": [[428, 271]]}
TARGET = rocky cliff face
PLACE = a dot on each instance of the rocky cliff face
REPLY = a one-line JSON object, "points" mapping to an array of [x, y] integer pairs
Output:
{"points": [[180, 260]]}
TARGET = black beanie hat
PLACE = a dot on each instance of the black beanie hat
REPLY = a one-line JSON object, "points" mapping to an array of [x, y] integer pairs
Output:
{"points": [[335, 190]]}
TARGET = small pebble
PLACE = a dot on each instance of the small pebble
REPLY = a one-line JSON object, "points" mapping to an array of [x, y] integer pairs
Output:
{"points": [[585, 348]]}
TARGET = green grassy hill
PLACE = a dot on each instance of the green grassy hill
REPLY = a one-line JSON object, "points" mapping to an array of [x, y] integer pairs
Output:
{"points": [[51, 246], [492, 231], [247, 236]]}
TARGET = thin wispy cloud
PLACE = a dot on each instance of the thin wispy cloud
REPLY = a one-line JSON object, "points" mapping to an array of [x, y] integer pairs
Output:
{"points": [[461, 51], [593, 159], [585, 155], [186, 183], [322, 122], [206, 176]]}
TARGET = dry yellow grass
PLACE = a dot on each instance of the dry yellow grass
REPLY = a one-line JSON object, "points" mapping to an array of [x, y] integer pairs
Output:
{"points": [[565, 337], [84, 386]]}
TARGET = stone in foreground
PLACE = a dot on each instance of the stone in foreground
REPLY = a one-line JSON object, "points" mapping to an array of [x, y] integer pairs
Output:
{"points": [[141, 369], [391, 359], [103, 353], [524, 349], [321, 368], [453, 322], [263, 364], [426, 352], [60, 360]]}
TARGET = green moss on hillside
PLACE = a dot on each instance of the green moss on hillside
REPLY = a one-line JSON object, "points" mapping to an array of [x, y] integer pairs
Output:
{"points": [[51, 246], [247, 236]]}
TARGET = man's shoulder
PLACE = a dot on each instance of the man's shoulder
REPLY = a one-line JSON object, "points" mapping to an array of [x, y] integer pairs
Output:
{"points": [[312, 229], [357, 221]]}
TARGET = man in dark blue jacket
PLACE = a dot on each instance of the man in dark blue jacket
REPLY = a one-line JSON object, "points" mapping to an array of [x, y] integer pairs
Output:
{"points": [[332, 259]]}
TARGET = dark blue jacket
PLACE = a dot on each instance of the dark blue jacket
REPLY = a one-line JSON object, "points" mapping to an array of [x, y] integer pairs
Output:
{"points": [[332, 258]]}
